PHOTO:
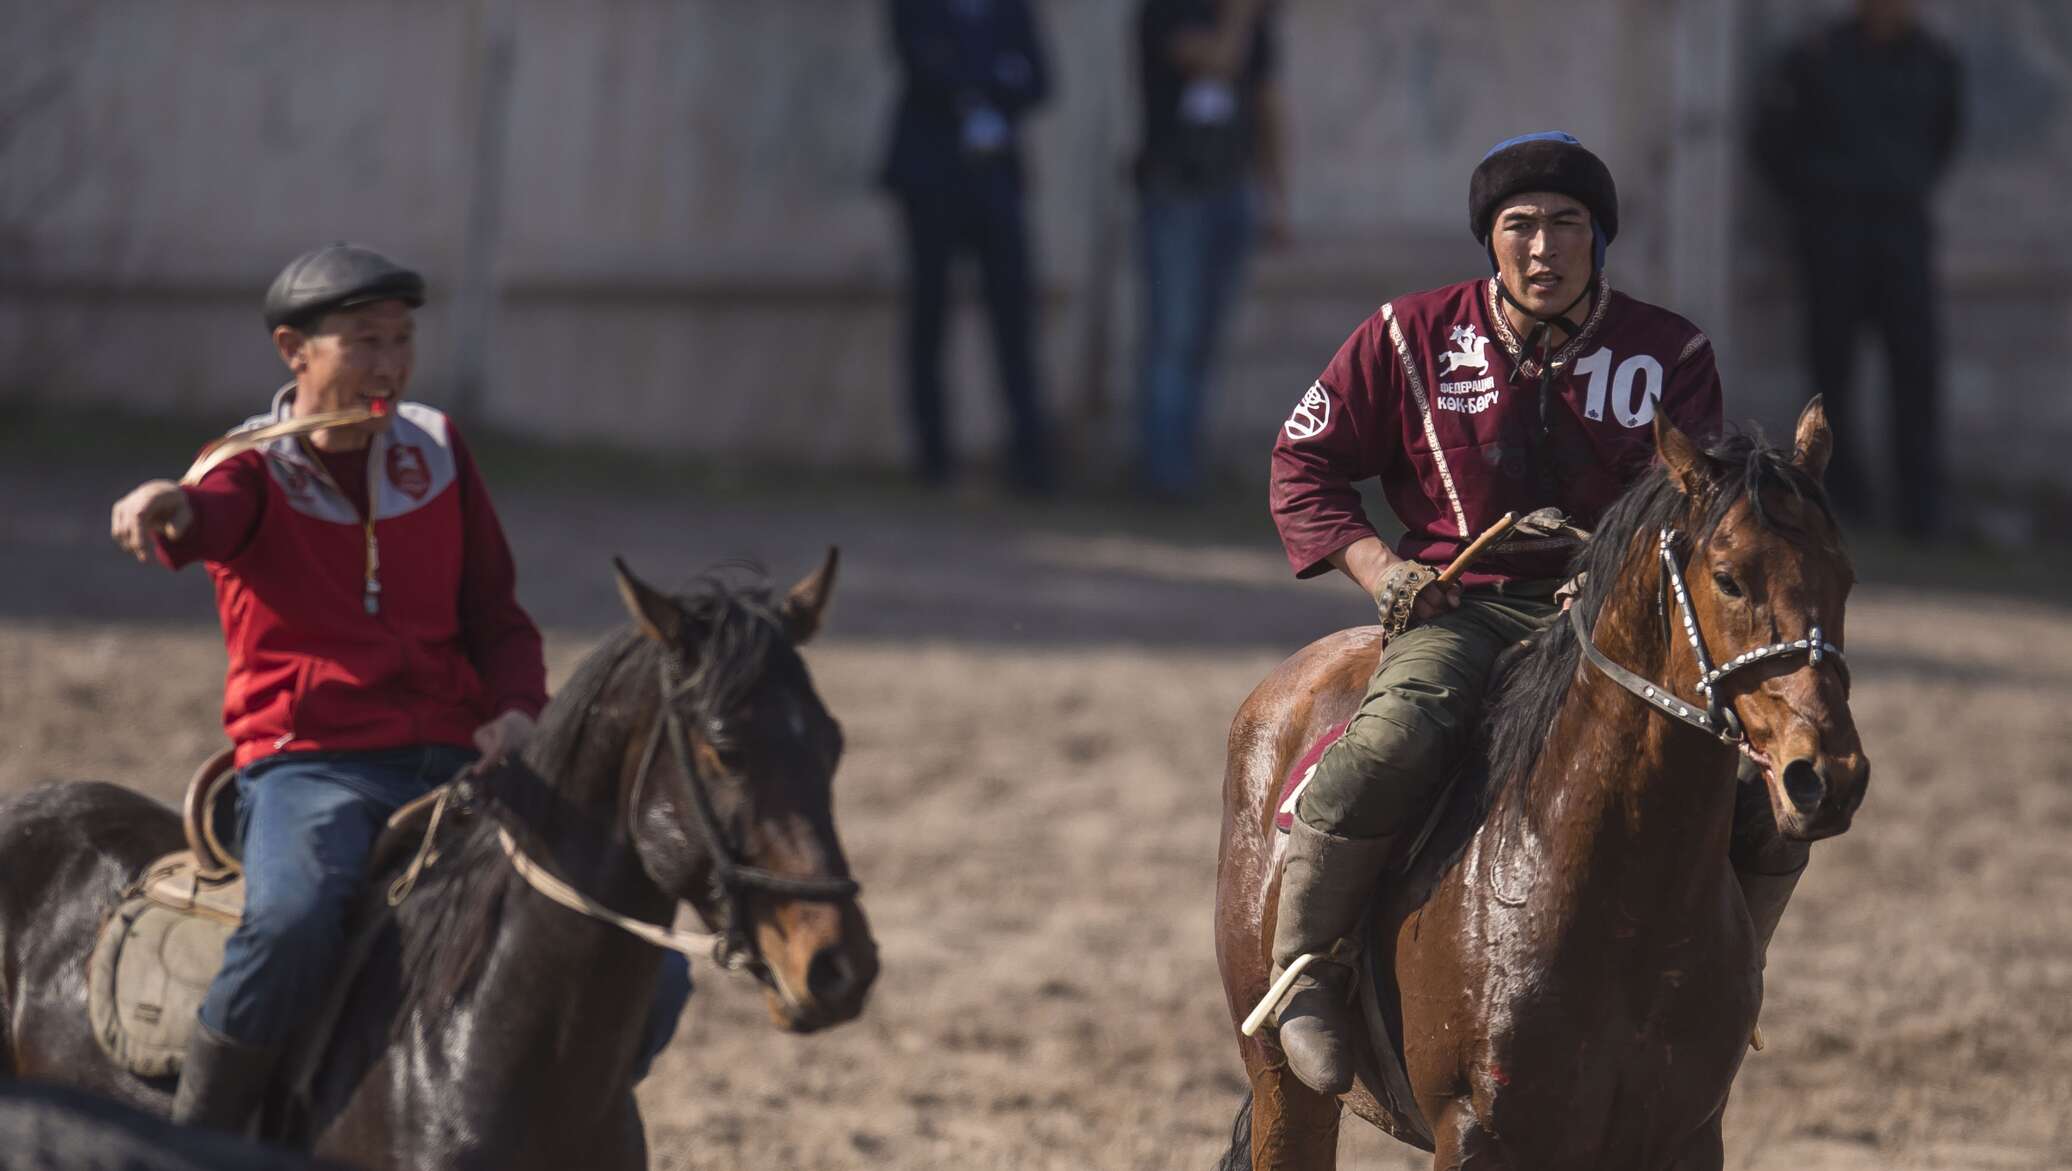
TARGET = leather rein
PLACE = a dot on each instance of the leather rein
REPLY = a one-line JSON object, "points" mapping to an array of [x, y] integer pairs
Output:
{"points": [[732, 879], [1716, 718]]}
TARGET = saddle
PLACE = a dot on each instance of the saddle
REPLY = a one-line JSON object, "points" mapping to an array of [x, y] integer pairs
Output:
{"points": [[160, 948]]}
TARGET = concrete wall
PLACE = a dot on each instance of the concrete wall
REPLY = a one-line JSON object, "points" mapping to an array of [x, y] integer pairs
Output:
{"points": [[689, 252]]}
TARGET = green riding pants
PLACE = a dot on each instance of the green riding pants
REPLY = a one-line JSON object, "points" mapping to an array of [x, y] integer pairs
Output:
{"points": [[1419, 715]]}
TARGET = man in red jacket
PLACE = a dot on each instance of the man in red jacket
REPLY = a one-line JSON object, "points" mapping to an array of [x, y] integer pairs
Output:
{"points": [[376, 644], [1536, 387]]}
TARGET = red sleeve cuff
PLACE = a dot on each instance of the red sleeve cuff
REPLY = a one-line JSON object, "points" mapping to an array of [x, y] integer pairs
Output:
{"points": [[226, 507], [176, 554]]}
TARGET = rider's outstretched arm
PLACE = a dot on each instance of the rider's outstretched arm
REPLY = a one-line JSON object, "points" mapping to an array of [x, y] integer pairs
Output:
{"points": [[210, 521]]}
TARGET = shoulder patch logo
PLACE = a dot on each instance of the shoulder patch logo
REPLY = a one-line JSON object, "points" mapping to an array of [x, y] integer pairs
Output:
{"points": [[407, 471], [1311, 416], [1467, 353], [293, 480]]}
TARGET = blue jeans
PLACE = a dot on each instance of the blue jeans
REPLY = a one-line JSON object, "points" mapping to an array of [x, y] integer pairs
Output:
{"points": [[1194, 249], [306, 821]]}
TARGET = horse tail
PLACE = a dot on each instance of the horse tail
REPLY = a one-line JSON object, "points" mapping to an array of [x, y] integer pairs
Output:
{"points": [[1239, 1156]]}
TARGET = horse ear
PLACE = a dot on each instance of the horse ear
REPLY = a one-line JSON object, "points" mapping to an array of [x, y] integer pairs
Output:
{"points": [[807, 601], [1812, 441], [1687, 465], [652, 611]]}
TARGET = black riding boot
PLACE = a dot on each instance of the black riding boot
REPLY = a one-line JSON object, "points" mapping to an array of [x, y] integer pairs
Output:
{"points": [[1325, 885], [221, 1082]]}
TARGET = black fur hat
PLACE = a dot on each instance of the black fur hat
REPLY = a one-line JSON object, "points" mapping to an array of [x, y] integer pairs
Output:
{"points": [[1548, 161]]}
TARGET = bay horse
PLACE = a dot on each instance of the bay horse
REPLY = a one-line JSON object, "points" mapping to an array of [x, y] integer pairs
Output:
{"points": [[688, 759], [1575, 969]]}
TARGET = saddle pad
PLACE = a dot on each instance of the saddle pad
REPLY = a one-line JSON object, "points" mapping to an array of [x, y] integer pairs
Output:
{"points": [[153, 961], [1298, 777], [145, 982]]}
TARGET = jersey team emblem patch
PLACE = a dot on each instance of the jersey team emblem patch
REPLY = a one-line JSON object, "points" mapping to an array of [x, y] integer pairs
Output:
{"points": [[293, 480], [407, 471], [1311, 416], [1468, 352]]}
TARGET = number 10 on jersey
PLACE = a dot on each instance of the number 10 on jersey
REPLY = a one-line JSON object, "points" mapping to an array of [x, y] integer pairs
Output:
{"points": [[1634, 387]]}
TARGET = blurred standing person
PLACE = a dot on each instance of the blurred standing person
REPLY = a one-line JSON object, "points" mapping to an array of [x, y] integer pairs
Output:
{"points": [[972, 69], [1211, 168], [1855, 128]]}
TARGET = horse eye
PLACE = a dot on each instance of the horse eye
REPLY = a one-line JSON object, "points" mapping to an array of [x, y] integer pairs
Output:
{"points": [[1726, 585]]}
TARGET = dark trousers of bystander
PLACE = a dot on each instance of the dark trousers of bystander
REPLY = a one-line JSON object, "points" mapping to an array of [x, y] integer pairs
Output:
{"points": [[988, 223], [1871, 265]]}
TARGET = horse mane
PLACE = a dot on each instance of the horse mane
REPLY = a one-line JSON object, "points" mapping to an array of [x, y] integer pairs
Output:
{"points": [[735, 635], [1744, 467], [442, 933]]}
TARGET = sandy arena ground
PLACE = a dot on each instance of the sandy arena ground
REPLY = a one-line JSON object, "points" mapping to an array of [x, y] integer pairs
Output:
{"points": [[1036, 704]]}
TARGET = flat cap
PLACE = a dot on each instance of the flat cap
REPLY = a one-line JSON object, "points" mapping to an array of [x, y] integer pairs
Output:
{"points": [[338, 276]]}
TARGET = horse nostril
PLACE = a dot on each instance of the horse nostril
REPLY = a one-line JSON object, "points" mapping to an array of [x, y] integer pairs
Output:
{"points": [[830, 977], [1804, 785]]}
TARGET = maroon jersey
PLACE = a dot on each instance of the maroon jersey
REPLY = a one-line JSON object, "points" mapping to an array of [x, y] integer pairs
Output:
{"points": [[1421, 398]]}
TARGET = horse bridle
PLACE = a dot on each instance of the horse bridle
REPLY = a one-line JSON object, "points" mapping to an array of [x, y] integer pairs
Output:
{"points": [[1716, 718], [732, 879]]}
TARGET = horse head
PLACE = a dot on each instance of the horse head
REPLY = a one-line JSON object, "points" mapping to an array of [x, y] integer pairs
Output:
{"points": [[1767, 578], [731, 799]]}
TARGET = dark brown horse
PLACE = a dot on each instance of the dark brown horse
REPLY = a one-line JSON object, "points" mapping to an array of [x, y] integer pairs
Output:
{"points": [[1575, 969], [52, 1128], [688, 760]]}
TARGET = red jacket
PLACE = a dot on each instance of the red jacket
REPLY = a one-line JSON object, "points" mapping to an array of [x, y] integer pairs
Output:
{"points": [[1422, 397], [436, 646]]}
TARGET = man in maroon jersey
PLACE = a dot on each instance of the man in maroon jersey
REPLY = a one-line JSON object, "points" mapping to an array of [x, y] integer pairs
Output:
{"points": [[1537, 387]]}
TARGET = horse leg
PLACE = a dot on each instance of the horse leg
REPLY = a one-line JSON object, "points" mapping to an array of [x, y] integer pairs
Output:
{"points": [[633, 1148], [1294, 1128], [1707, 1150]]}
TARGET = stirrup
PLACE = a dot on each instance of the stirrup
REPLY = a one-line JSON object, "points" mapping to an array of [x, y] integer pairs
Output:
{"points": [[1279, 992]]}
